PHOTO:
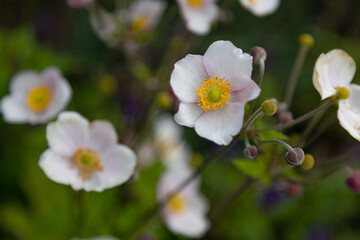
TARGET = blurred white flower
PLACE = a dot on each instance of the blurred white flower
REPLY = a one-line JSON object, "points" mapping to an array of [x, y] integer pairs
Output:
{"points": [[174, 152], [260, 8], [85, 155], [184, 213], [213, 90], [199, 15], [79, 3], [144, 15], [333, 74], [36, 98]]}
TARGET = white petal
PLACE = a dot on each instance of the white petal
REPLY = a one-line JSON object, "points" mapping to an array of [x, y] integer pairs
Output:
{"points": [[332, 70], [167, 129], [190, 224], [199, 20], [22, 82], [118, 165], [250, 92], [102, 135], [222, 124], [59, 169], [188, 113], [353, 102], [13, 110], [223, 59], [178, 157], [69, 133], [186, 77], [261, 8], [349, 120]]}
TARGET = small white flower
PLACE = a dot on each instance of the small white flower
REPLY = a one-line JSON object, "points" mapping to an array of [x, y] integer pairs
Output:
{"points": [[174, 152], [199, 15], [261, 8], [213, 90], [333, 74], [144, 15], [85, 155], [36, 98], [184, 213]]}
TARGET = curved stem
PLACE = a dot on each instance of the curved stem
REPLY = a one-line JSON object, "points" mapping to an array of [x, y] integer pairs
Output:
{"points": [[308, 115], [347, 168]]}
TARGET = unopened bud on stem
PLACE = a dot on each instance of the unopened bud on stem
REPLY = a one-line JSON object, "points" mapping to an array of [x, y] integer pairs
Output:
{"points": [[295, 157], [251, 152], [258, 53], [353, 182], [268, 107], [308, 162]]}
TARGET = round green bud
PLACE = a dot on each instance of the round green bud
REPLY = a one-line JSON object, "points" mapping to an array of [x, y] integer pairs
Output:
{"points": [[269, 107], [214, 95], [164, 100], [108, 85], [343, 93], [308, 162], [306, 39], [196, 160]]}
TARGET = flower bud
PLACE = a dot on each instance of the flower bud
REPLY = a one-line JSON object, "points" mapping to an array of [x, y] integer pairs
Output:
{"points": [[108, 85], [306, 39], [250, 152], [268, 107], [353, 182], [295, 157], [308, 162], [164, 100], [294, 190], [284, 118], [258, 53], [342, 93]]}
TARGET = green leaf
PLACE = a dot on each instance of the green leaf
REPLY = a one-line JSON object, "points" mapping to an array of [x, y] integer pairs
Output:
{"points": [[271, 134], [255, 169]]}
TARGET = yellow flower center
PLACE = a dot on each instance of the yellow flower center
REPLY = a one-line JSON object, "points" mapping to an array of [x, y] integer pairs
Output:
{"points": [[196, 3], [214, 94], [39, 98], [177, 204], [253, 1], [342, 93], [140, 22], [87, 161]]}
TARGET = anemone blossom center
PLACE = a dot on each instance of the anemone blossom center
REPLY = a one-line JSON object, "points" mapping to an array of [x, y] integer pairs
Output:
{"points": [[39, 98], [139, 23], [177, 204], [196, 3], [213, 94], [87, 161]]}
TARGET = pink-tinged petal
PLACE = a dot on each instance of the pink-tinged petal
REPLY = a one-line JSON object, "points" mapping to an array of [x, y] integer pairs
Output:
{"points": [[261, 8], [69, 133], [188, 113], [250, 92], [14, 111], [151, 9], [222, 124], [22, 82], [199, 19], [223, 59], [191, 223], [186, 77], [349, 120], [353, 102], [102, 135], [332, 70], [118, 165], [57, 168]]}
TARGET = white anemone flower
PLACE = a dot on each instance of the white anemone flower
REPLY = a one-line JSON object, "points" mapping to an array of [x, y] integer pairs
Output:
{"points": [[199, 15], [260, 8], [333, 74], [213, 90], [144, 15], [86, 155], [184, 213], [36, 97]]}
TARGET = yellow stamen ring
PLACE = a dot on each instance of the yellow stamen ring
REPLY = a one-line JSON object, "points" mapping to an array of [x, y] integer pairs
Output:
{"points": [[39, 98], [213, 94], [176, 204], [196, 3], [87, 161]]}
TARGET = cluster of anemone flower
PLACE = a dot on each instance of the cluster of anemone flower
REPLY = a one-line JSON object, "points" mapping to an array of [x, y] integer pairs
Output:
{"points": [[216, 96]]}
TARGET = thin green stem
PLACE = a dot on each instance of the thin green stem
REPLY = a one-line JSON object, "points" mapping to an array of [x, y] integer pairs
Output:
{"points": [[295, 73], [260, 79], [255, 116], [310, 127], [347, 168], [306, 116]]}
